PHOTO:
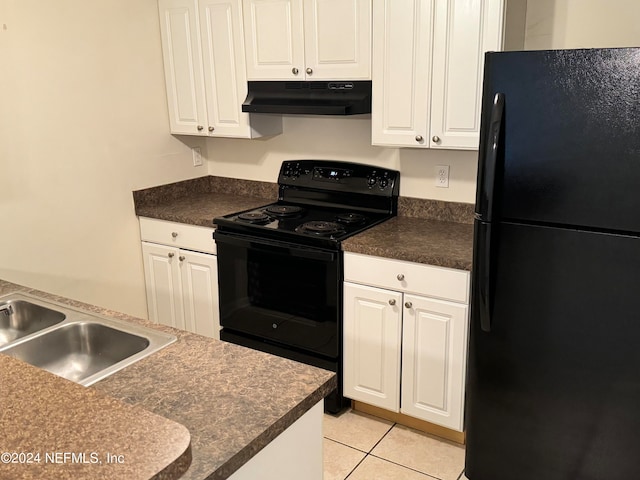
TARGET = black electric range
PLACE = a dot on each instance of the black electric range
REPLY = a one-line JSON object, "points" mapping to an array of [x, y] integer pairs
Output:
{"points": [[280, 266]]}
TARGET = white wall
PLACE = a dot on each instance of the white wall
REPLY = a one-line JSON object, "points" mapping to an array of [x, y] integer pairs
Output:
{"points": [[83, 122], [555, 24], [343, 138]]}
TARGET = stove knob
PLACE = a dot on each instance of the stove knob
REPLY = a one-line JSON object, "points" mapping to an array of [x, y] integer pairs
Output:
{"points": [[372, 181], [383, 183]]}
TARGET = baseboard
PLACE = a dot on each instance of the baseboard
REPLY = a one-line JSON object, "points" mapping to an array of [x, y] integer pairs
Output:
{"points": [[411, 422]]}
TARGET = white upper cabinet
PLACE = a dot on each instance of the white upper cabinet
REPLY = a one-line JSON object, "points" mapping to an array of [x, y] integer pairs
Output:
{"points": [[428, 67], [402, 31], [463, 31], [308, 39], [182, 65], [204, 62]]}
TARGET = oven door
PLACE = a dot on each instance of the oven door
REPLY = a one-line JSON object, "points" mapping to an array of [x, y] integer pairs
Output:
{"points": [[283, 293]]}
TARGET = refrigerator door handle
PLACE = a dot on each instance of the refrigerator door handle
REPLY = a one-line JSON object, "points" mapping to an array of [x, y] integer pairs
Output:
{"points": [[491, 154], [482, 275]]}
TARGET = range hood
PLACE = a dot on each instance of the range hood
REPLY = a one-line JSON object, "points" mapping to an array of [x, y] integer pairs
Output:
{"points": [[309, 98]]}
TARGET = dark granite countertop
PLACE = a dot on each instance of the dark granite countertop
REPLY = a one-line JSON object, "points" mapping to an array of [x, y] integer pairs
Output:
{"points": [[425, 231], [444, 244], [233, 400], [199, 201], [84, 422]]}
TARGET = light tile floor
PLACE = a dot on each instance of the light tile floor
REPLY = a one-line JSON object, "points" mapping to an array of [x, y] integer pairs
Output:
{"points": [[358, 446]]}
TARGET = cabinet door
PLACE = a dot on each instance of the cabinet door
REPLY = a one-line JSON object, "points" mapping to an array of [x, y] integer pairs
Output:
{"points": [[163, 285], [181, 53], [464, 31], [224, 67], [337, 39], [401, 72], [434, 351], [274, 39], [200, 289], [371, 353]]}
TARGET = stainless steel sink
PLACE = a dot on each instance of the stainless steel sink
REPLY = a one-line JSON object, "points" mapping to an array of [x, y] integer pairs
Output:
{"points": [[80, 346], [19, 318]]}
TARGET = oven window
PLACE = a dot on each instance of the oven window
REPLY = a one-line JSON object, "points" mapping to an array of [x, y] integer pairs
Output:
{"points": [[293, 286], [287, 295]]}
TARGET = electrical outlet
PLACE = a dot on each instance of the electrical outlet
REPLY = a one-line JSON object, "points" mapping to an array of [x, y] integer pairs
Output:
{"points": [[197, 156], [442, 176]]}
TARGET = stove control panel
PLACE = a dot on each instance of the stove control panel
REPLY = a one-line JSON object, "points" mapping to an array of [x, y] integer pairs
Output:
{"points": [[339, 176], [331, 174]]}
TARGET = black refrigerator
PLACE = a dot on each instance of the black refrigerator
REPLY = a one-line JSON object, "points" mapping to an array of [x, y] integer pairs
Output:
{"points": [[553, 389]]}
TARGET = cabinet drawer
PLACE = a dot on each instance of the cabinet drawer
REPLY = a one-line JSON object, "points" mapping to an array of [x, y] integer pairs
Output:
{"points": [[437, 282], [190, 237]]}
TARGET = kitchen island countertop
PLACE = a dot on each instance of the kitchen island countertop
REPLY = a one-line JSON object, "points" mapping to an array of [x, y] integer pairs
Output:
{"points": [[233, 400]]}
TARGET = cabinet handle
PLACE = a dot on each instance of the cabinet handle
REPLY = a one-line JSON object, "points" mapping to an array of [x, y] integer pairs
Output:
{"points": [[295, 71], [419, 138], [174, 234], [408, 304], [181, 258], [436, 139], [309, 71], [200, 128], [392, 302], [171, 254], [211, 129], [400, 276]]}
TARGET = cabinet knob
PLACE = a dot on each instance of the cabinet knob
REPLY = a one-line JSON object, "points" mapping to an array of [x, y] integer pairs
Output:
{"points": [[211, 129], [392, 302], [200, 128], [171, 254], [400, 276], [309, 71], [419, 138], [408, 304], [181, 258], [436, 139], [295, 71], [174, 234]]}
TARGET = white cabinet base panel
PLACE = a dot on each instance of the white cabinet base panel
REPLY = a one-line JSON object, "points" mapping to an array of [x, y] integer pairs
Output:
{"points": [[293, 455]]}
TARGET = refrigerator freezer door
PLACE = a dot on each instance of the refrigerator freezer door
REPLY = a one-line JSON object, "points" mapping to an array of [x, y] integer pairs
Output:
{"points": [[571, 136], [553, 389]]}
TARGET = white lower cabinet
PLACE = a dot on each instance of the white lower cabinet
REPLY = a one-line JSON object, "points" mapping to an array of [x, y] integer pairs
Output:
{"points": [[181, 284], [403, 351]]}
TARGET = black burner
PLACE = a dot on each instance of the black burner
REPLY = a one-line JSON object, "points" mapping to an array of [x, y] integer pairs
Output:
{"points": [[351, 218], [254, 217], [320, 228], [283, 210]]}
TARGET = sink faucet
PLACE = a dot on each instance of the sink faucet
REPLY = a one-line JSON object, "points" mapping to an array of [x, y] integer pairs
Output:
{"points": [[7, 309]]}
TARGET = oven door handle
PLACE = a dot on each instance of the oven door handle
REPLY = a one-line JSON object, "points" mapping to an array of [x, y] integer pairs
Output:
{"points": [[263, 245]]}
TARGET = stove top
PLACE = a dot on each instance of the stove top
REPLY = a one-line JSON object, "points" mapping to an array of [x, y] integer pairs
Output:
{"points": [[320, 203], [295, 221]]}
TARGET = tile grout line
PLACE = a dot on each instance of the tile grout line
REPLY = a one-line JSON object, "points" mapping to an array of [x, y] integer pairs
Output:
{"points": [[381, 438], [408, 468], [366, 454]]}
